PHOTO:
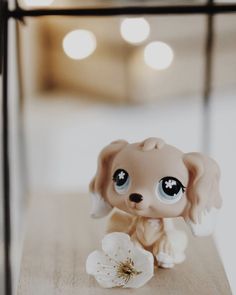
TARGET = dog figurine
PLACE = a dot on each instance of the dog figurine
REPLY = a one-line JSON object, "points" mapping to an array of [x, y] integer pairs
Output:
{"points": [[151, 183]]}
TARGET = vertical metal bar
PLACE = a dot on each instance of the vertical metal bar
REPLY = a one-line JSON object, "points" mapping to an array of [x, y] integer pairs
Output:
{"points": [[208, 80], [1, 35], [6, 172]]}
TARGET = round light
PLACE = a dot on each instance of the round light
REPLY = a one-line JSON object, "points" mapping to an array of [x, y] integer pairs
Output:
{"points": [[134, 30], [158, 55], [79, 44], [38, 2]]}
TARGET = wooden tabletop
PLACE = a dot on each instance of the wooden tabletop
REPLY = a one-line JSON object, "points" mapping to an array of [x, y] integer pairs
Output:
{"points": [[60, 235]]}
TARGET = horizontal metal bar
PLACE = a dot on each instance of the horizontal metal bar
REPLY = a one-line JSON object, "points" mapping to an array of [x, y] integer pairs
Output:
{"points": [[19, 13]]}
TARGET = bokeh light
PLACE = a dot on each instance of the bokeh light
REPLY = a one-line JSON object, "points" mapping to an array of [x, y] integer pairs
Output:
{"points": [[134, 30], [79, 44], [158, 55], [38, 2]]}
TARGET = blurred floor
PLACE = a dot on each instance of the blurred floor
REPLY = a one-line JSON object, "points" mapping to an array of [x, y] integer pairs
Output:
{"points": [[54, 255], [65, 135]]}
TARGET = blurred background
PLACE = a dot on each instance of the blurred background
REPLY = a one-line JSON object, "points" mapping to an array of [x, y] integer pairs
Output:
{"points": [[88, 81]]}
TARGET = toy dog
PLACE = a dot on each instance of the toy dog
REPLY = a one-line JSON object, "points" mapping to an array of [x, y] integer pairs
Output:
{"points": [[153, 182]]}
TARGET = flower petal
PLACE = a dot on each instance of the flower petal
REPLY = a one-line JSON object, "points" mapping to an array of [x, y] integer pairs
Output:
{"points": [[107, 282], [103, 268], [143, 263], [117, 245], [97, 262]]}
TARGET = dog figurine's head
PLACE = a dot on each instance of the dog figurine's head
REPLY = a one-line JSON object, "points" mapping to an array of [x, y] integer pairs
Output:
{"points": [[156, 180]]}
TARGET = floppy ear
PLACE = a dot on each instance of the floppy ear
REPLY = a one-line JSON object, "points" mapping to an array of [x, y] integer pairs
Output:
{"points": [[202, 192], [97, 187]]}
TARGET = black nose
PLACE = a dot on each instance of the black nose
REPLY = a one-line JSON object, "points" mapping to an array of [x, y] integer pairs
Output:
{"points": [[136, 198]]}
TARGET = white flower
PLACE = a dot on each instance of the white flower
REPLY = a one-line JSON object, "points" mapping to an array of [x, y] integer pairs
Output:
{"points": [[121, 175], [121, 263], [170, 183]]}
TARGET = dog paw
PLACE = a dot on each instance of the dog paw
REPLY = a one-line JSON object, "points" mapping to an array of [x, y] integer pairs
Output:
{"points": [[165, 260]]}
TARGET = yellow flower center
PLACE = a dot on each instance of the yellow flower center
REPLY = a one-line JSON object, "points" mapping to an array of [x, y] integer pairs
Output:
{"points": [[126, 270]]}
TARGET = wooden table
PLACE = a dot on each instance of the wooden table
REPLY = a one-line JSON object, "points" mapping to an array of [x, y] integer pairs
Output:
{"points": [[60, 235]]}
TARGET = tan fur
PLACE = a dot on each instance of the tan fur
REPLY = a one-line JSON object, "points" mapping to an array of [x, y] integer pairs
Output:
{"points": [[98, 184], [203, 188]]}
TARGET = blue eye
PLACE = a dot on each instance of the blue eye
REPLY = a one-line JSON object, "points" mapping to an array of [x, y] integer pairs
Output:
{"points": [[121, 181], [169, 190]]}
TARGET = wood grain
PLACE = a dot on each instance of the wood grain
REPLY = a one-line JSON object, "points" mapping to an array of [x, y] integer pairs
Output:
{"points": [[60, 235]]}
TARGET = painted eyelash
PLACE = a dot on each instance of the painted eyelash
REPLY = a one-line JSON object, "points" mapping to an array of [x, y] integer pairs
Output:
{"points": [[176, 179]]}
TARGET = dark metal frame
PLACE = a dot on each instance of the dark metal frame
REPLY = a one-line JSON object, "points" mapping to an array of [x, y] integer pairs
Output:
{"points": [[209, 9], [5, 147]]}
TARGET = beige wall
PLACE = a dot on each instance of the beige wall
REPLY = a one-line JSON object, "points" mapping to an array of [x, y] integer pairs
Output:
{"points": [[116, 70]]}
